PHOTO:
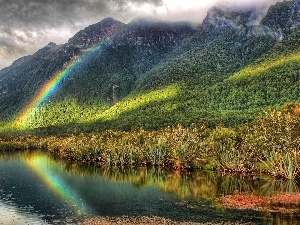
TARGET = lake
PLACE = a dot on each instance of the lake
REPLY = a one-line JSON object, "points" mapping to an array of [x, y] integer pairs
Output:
{"points": [[37, 189]]}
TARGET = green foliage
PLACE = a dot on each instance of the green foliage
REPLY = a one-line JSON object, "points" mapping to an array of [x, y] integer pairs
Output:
{"points": [[65, 112], [274, 138], [226, 76], [269, 144], [225, 147], [285, 165]]}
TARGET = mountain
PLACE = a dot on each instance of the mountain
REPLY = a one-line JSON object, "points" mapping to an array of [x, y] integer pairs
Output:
{"points": [[149, 73], [284, 17], [24, 77]]}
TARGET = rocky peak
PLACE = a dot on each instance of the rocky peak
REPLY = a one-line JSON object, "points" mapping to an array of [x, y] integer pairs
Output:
{"points": [[296, 14], [235, 17], [51, 45], [147, 32], [47, 49], [95, 33], [283, 17]]}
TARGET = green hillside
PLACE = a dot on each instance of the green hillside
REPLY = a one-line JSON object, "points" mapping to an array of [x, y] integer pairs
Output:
{"points": [[226, 71], [20, 82], [272, 80], [193, 72]]}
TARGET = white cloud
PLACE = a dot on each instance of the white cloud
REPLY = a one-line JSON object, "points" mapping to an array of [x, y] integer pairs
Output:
{"points": [[190, 10], [187, 4], [178, 10]]}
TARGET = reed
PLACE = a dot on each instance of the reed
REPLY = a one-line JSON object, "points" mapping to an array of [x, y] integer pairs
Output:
{"points": [[269, 144], [285, 165]]}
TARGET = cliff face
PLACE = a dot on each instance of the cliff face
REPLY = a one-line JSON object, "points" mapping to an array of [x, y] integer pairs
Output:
{"points": [[283, 17], [280, 20], [218, 17], [296, 14]]}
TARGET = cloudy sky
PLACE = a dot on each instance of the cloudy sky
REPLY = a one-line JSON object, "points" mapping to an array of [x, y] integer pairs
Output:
{"points": [[27, 25]]}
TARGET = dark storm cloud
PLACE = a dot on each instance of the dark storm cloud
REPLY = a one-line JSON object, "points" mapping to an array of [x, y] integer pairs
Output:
{"points": [[26, 25], [41, 13], [9, 51], [10, 48]]}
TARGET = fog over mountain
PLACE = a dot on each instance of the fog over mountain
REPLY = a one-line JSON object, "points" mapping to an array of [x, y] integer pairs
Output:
{"points": [[26, 26]]}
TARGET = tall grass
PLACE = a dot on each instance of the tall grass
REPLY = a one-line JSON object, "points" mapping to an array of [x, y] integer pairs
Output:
{"points": [[270, 144]]}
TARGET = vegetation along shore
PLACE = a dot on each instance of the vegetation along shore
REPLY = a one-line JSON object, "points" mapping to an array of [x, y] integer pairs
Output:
{"points": [[269, 144]]}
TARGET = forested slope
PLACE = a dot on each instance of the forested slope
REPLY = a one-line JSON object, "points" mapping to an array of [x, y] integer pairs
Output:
{"points": [[152, 74]]}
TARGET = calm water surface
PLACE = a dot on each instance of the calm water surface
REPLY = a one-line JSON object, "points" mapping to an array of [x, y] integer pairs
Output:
{"points": [[36, 189]]}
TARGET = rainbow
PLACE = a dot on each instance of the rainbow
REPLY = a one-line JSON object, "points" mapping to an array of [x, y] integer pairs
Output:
{"points": [[51, 86], [48, 89], [40, 165]]}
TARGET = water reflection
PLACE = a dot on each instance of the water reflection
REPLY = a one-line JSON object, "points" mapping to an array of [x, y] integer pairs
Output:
{"points": [[40, 190], [27, 185], [49, 173], [196, 185]]}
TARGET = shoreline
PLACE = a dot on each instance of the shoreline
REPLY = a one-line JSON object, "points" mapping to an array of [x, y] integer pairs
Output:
{"points": [[149, 220]]}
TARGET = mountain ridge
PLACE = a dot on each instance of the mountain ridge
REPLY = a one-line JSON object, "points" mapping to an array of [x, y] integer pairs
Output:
{"points": [[122, 62]]}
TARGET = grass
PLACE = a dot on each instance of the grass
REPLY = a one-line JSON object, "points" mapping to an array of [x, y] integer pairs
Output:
{"points": [[270, 144]]}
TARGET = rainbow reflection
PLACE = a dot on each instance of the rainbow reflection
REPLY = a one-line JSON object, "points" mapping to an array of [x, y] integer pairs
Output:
{"points": [[41, 166]]}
